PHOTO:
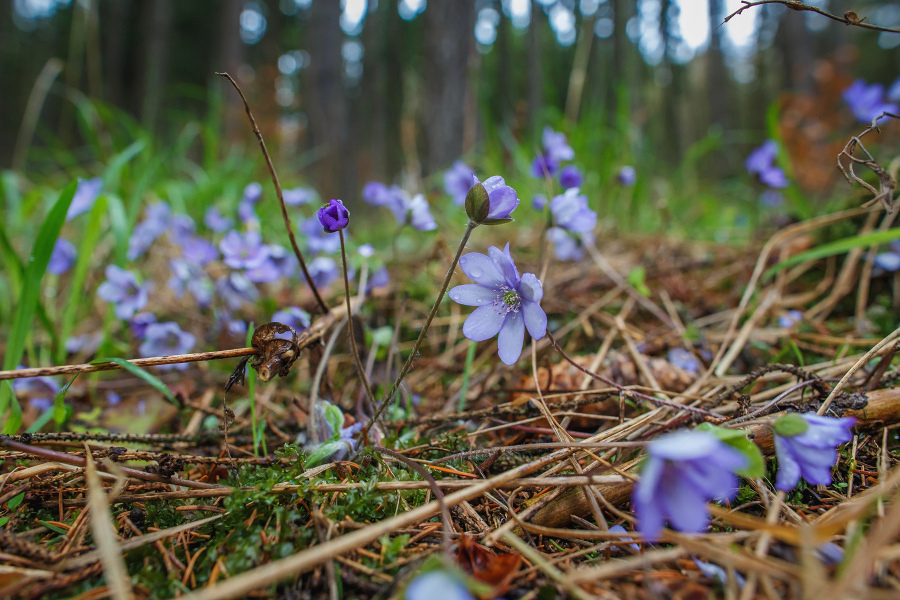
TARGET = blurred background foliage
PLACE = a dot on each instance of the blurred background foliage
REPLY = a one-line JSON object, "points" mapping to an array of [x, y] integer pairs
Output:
{"points": [[347, 91]]}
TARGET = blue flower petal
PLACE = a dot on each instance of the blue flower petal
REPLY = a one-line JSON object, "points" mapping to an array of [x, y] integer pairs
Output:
{"points": [[788, 467], [484, 323], [481, 269], [473, 294], [511, 338], [535, 318]]}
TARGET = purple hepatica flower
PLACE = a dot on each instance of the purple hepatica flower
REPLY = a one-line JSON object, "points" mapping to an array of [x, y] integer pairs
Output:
{"points": [[243, 251], [87, 343], [379, 278], [277, 264], [181, 227], [507, 304], [717, 573], [437, 584], [570, 210], [627, 540], [62, 258], [235, 289], [122, 289], [890, 260], [146, 232], [316, 238], [40, 391], [298, 196], [457, 181], [323, 270], [376, 193], [247, 214], [866, 102], [86, 193], [771, 198], [543, 165], [683, 359], [188, 275], [366, 250], [810, 453], [216, 221], [139, 324], [539, 202], [556, 146], [626, 176], [167, 339], [761, 162], [334, 216], [682, 472], [502, 198], [419, 215], [198, 251], [791, 318], [565, 246], [570, 177], [293, 316], [253, 192]]}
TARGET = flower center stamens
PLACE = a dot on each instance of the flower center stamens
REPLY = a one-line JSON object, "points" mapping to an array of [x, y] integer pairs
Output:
{"points": [[507, 300]]}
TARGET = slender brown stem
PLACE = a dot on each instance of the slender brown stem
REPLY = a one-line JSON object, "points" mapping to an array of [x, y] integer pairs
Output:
{"points": [[284, 213], [849, 17], [412, 355], [353, 348]]}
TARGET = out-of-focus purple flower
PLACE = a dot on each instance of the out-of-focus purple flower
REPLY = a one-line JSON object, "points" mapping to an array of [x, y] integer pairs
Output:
{"points": [[216, 221], [717, 573], [139, 323], [570, 177], [570, 210], [893, 93], [683, 359], [293, 316], [543, 166], [366, 250], [830, 553], [761, 162], [166, 339], [316, 238], [247, 213], [253, 192], [502, 198], [235, 289], [413, 210], [298, 196], [40, 391], [181, 227], [809, 453], [889, 260], [86, 193], [376, 193], [87, 343], [866, 102], [243, 251], [565, 246], [62, 258], [791, 318], [420, 214], [683, 471], [556, 146], [771, 198], [539, 202], [121, 288], [334, 216], [188, 275], [145, 233], [323, 270], [437, 584], [279, 262], [626, 176], [198, 250], [507, 304], [457, 181], [627, 540], [379, 278]]}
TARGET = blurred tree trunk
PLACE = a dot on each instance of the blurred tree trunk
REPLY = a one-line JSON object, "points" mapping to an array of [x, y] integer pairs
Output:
{"points": [[448, 37], [717, 75], [156, 20], [114, 28], [796, 45], [227, 59], [327, 106], [623, 79], [535, 75], [672, 138]]}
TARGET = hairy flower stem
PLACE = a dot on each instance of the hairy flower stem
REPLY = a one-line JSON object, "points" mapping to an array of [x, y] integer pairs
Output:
{"points": [[353, 348], [280, 194], [415, 349]]}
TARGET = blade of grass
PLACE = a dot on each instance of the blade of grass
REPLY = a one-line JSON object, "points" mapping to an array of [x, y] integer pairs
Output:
{"points": [[141, 373], [251, 392], [28, 299], [836, 247], [79, 274]]}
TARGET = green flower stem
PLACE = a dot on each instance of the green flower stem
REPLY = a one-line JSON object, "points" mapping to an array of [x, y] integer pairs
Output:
{"points": [[412, 355], [353, 348]]}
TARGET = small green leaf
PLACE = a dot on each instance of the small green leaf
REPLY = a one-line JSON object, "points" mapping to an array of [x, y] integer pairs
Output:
{"points": [[335, 419], [790, 425], [4, 521], [478, 204], [15, 501], [637, 278], [52, 527], [145, 375], [323, 452], [497, 221], [737, 439], [60, 414]]}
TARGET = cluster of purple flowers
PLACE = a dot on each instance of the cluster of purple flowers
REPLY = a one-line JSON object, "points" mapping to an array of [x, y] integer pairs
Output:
{"points": [[457, 181], [686, 469], [556, 150], [867, 102], [407, 210]]}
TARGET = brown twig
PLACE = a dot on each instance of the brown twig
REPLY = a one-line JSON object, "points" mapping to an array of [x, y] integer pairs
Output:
{"points": [[280, 194], [886, 183], [848, 18]]}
